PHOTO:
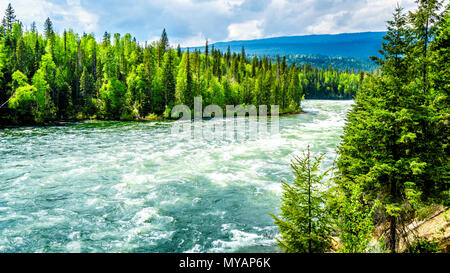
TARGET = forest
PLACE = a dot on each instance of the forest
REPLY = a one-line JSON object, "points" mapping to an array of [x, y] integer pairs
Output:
{"points": [[393, 166], [346, 64], [46, 77]]}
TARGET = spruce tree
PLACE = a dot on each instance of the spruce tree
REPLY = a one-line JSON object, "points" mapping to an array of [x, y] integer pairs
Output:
{"points": [[304, 224], [163, 46], [168, 80], [206, 55], [9, 19], [189, 92], [425, 24], [21, 56], [33, 27], [48, 28], [179, 52]]}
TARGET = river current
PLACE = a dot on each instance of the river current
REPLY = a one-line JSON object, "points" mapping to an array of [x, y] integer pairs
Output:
{"points": [[136, 187]]}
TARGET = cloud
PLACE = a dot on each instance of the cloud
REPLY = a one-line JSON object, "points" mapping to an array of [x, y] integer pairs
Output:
{"points": [[245, 31], [64, 15], [190, 22]]}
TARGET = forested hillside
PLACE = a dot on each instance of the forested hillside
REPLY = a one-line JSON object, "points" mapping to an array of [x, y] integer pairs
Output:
{"points": [[353, 45], [349, 51], [393, 162], [347, 64], [50, 76]]}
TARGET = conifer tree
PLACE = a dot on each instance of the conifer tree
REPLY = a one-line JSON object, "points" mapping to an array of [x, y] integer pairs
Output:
{"points": [[189, 92], [163, 46], [9, 19], [179, 52], [168, 80], [304, 224], [425, 24], [206, 55], [48, 28], [21, 56]]}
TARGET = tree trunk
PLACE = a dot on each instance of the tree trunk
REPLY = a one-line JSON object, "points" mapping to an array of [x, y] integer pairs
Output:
{"points": [[309, 205], [393, 233]]}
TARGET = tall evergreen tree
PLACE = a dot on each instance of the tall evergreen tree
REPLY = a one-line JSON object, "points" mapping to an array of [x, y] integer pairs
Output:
{"points": [[21, 56], [425, 24], [33, 27], [48, 28], [304, 224], [189, 92], [9, 19], [179, 52], [163, 46], [206, 55]]}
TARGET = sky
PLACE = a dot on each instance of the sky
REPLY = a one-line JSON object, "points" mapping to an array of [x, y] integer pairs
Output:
{"points": [[191, 22]]}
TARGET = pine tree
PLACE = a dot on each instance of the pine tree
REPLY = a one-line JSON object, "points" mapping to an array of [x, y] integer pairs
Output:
{"points": [[48, 28], [395, 46], [189, 92], [304, 224], [179, 52], [87, 84], [21, 56], [33, 27], [106, 39], [9, 19], [168, 80], [425, 24], [206, 55], [293, 92], [163, 46]]}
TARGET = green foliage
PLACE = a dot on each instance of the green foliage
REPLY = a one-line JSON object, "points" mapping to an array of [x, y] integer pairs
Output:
{"points": [[122, 78], [426, 212], [24, 100], [424, 245], [304, 224], [395, 146], [112, 98], [45, 110], [354, 218]]}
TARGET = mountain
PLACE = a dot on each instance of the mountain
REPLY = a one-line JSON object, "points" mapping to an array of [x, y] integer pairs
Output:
{"points": [[354, 45], [348, 50]]}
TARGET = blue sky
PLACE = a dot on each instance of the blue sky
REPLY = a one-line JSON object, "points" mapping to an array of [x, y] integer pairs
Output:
{"points": [[191, 22]]}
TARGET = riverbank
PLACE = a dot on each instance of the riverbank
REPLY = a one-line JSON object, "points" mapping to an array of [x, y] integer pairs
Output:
{"points": [[151, 118]]}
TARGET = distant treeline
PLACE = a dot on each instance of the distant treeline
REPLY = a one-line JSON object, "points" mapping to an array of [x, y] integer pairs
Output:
{"points": [[345, 64], [46, 77]]}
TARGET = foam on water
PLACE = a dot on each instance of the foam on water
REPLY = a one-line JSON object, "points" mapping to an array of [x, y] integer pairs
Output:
{"points": [[135, 187]]}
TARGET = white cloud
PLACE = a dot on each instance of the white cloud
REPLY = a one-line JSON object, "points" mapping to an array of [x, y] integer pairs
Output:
{"points": [[245, 31], [65, 15], [190, 22], [190, 41]]}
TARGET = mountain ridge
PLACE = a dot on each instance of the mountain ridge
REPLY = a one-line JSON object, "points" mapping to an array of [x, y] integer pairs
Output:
{"points": [[360, 45]]}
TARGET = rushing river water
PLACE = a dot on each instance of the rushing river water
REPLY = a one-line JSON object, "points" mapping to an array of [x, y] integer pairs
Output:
{"points": [[134, 187]]}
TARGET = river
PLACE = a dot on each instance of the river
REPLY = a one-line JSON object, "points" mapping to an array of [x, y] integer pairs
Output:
{"points": [[135, 187]]}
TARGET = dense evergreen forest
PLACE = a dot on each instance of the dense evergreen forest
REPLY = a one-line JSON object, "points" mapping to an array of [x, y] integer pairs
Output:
{"points": [[46, 77], [393, 166], [346, 64]]}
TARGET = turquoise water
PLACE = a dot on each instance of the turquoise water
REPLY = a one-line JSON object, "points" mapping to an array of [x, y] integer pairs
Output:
{"points": [[135, 187]]}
